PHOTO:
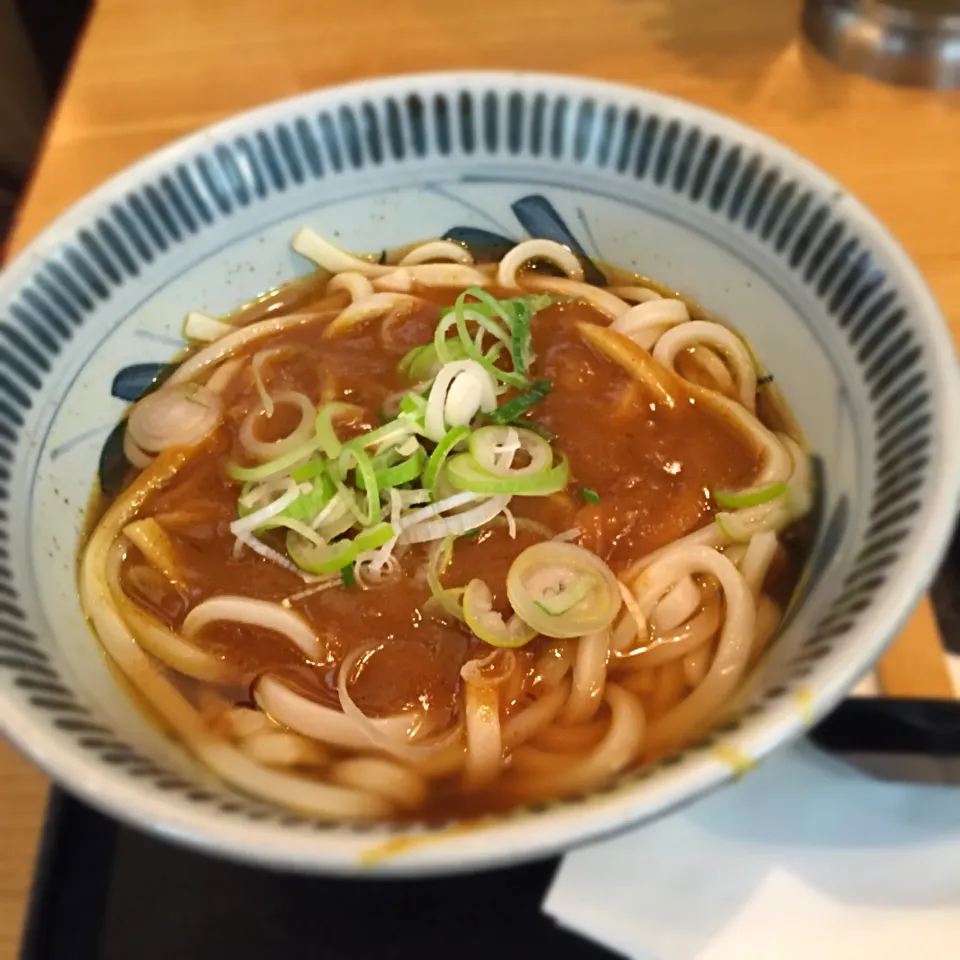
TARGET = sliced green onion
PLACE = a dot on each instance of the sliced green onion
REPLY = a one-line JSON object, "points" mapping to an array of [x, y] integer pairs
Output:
{"points": [[474, 352], [366, 478], [484, 319], [490, 305], [348, 577], [391, 434], [485, 443], [443, 449], [741, 525], [487, 304], [422, 363], [412, 403], [400, 473], [590, 496], [332, 557], [309, 471], [403, 367], [465, 474], [557, 604], [327, 439], [437, 563], [308, 505], [520, 404], [489, 625], [562, 590], [273, 467], [736, 499], [446, 604], [440, 340], [521, 346], [505, 376], [341, 515]]}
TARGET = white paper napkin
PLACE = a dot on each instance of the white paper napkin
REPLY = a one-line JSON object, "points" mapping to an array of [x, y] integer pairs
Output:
{"points": [[805, 858]]}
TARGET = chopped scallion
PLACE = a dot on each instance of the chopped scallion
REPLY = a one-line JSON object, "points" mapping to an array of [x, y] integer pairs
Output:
{"points": [[520, 404]]}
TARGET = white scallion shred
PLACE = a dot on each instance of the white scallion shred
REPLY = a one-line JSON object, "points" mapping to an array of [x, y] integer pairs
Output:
{"points": [[251, 521]]}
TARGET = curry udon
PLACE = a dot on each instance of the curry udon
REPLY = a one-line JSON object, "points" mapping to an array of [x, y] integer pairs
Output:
{"points": [[430, 536]]}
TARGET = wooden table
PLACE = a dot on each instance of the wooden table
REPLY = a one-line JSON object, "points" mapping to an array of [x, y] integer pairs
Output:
{"points": [[149, 71]]}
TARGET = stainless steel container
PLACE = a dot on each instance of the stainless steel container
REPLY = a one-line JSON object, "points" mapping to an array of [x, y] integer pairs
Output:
{"points": [[914, 42]]}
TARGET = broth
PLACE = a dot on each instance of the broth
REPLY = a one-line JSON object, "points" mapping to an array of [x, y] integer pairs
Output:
{"points": [[642, 476]]}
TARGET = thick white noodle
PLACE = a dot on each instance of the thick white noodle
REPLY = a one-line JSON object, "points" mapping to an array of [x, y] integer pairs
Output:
{"points": [[238, 723], [714, 368], [607, 303], [635, 294], [558, 738], [382, 778], [756, 561], [696, 664], [559, 255], [555, 662], [768, 619], [405, 279], [678, 643], [735, 553], [447, 744], [533, 761], [677, 606], [321, 800], [280, 748], [589, 677], [369, 308], [709, 536], [437, 250], [528, 722], [717, 336], [255, 613], [484, 739], [645, 323], [156, 638], [801, 478], [222, 377], [691, 715], [325, 724], [356, 284], [632, 623], [324, 254], [619, 748], [225, 347]]}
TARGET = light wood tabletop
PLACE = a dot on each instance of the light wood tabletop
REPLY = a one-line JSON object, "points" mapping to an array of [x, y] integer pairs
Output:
{"points": [[149, 71]]}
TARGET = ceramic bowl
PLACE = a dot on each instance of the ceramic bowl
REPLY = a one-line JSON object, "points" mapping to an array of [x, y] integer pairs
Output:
{"points": [[91, 311]]}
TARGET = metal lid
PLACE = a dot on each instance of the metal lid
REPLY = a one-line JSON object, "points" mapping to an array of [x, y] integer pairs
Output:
{"points": [[913, 42]]}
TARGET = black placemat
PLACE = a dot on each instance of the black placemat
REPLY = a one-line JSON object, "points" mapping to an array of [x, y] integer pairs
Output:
{"points": [[107, 892]]}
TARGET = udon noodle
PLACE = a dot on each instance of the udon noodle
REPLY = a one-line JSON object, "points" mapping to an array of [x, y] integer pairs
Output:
{"points": [[419, 535]]}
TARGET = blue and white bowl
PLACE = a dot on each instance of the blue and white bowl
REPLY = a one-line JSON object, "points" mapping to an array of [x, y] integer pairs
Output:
{"points": [[91, 311]]}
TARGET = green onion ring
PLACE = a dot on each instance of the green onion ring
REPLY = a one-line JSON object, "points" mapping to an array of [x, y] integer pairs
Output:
{"points": [[443, 449]]}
